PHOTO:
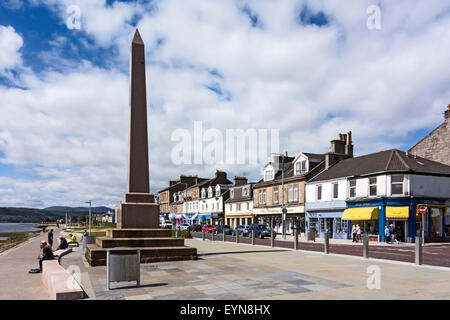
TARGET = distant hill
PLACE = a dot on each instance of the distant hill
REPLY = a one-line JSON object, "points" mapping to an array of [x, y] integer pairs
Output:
{"points": [[10, 214]]}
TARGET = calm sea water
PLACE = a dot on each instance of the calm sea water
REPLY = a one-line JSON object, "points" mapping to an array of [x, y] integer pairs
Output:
{"points": [[18, 227]]}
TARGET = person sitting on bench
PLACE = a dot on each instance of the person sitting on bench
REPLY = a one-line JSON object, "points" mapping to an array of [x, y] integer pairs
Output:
{"points": [[63, 243], [47, 254], [73, 239]]}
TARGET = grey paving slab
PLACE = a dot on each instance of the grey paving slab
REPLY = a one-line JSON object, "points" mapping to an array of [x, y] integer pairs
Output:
{"points": [[260, 273]]}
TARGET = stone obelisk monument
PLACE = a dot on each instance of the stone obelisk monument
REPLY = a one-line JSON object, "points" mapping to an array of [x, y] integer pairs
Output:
{"points": [[137, 214], [138, 209]]}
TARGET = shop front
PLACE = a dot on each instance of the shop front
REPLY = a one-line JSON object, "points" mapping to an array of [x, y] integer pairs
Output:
{"points": [[217, 218], [190, 218], [321, 222], [400, 213], [235, 220], [295, 218], [204, 218]]}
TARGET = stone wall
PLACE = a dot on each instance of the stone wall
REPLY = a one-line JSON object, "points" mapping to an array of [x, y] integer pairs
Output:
{"points": [[435, 146]]}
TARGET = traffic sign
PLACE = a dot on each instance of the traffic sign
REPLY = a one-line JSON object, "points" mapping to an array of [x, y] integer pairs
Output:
{"points": [[422, 209]]}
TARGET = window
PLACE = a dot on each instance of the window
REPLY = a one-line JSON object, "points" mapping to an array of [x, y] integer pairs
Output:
{"points": [[319, 192], [245, 191], [397, 184], [210, 192], [248, 205], [264, 196], [203, 193], [352, 188], [295, 192], [231, 207], [335, 190], [373, 186], [341, 225], [300, 167], [268, 175], [232, 193], [275, 195], [290, 196], [313, 224], [218, 191], [238, 207]]}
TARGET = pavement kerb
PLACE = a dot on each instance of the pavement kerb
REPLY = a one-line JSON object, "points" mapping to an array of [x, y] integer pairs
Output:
{"points": [[338, 255]]}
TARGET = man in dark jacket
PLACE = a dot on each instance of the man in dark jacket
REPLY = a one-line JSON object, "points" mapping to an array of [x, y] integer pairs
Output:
{"points": [[63, 243], [47, 254], [50, 238]]}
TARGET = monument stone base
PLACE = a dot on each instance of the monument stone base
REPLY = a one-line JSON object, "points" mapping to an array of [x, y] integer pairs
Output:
{"points": [[138, 210], [156, 245]]}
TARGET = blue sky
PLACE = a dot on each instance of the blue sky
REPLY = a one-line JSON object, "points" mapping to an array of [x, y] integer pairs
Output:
{"points": [[311, 69]]}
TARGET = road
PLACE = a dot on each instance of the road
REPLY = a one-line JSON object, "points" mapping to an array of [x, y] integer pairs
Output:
{"points": [[435, 255]]}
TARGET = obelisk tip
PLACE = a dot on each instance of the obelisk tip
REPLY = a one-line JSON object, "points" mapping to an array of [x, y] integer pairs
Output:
{"points": [[137, 38]]}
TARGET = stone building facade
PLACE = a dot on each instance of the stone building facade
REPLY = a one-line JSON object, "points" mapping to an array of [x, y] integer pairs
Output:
{"points": [[436, 145]]}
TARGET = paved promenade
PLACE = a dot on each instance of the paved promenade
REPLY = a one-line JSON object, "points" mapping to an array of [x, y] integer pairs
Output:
{"points": [[15, 281], [232, 271]]}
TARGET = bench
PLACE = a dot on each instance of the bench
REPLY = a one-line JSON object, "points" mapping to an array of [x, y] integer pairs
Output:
{"points": [[73, 244], [60, 284], [61, 253]]}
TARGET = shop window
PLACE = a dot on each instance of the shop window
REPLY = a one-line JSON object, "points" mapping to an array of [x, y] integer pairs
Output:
{"points": [[313, 224], [397, 185], [352, 188], [373, 186], [341, 225], [436, 222]]}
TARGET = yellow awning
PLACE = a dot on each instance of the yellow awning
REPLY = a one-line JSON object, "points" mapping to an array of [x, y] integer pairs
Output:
{"points": [[397, 212], [363, 213]]}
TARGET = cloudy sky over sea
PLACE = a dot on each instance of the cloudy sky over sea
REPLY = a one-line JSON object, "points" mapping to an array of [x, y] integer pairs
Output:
{"points": [[311, 69]]}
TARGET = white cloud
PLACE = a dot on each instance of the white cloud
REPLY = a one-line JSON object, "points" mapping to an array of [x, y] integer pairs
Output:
{"points": [[10, 44], [70, 129]]}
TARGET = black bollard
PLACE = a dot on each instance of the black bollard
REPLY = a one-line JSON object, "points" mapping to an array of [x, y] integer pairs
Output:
{"points": [[326, 247], [296, 240], [418, 251], [366, 247]]}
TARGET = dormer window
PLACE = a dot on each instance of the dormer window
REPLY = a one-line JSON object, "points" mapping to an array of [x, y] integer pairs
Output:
{"points": [[174, 197], [218, 191], [210, 192], [300, 167], [203, 193], [268, 175], [245, 192], [232, 193]]}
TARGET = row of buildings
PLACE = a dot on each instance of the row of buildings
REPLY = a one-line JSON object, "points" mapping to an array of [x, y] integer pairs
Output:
{"points": [[329, 192]]}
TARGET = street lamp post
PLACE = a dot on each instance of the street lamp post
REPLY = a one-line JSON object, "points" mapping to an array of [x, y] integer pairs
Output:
{"points": [[283, 209], [90, 216]]}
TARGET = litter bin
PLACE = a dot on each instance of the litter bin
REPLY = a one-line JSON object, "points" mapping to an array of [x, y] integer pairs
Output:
{"points": [[123, 265]]}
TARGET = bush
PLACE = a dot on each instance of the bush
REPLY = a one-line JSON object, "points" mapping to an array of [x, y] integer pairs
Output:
{"points": [[181, 234]]}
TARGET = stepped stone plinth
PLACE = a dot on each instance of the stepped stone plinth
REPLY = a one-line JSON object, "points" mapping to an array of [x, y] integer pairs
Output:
{"points": [[156, 245]]}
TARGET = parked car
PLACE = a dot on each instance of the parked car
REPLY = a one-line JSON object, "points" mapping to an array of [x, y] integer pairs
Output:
{"points": [[183, 226], [261, 231], [222, 228], [209, 228], [243, 231], [196, 227], [167, 224]]}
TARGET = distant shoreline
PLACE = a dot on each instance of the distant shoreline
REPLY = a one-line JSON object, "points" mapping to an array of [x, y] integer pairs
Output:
{"points": [[16, 238]]}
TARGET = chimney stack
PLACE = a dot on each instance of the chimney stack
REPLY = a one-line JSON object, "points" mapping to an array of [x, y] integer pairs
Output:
{"points": [[239, 181], [447, 113]]}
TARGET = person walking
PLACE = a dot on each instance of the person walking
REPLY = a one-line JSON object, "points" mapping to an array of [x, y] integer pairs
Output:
{"points": [[394, 234], [358, 233], [50, 238], [354, 233], [387, 234]]}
